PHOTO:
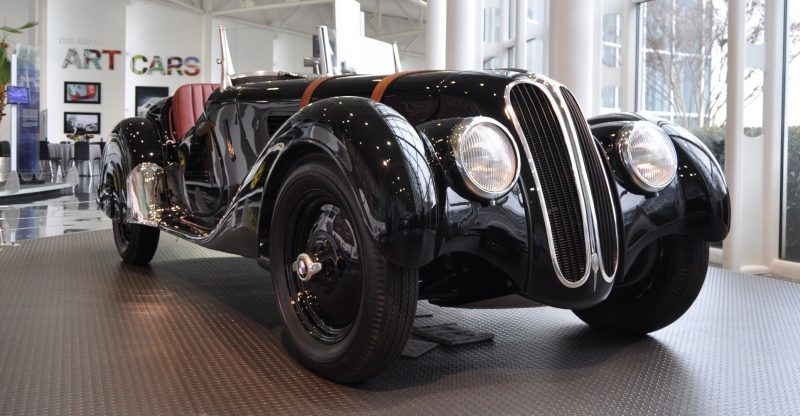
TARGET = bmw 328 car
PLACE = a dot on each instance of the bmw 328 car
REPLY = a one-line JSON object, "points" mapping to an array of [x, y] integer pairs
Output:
{"points": [[363, 194]]}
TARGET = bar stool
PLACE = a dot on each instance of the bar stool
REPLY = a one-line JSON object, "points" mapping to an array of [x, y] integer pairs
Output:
{"points": [[80, 156], [49, 164], [5, 160]]}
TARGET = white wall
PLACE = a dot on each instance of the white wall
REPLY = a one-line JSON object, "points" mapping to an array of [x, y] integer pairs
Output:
{"points": [[250, 46], [82, 24], [256, 48], [148, 28], [289, 50], [151, 31], [411, 63]]}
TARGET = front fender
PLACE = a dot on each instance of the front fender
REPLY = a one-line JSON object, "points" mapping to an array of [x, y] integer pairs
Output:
{"points": [[386, 163], [695, 204], [133, 141]]}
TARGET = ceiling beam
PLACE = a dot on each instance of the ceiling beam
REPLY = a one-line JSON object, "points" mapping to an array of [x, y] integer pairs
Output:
{"points": [[270, 7], [267, 27], [399, 34], [405, 12]]}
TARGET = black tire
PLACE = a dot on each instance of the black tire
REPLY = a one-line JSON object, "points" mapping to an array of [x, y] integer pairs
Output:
{"points": [[660, 286], [136, 244], [351, 320]]}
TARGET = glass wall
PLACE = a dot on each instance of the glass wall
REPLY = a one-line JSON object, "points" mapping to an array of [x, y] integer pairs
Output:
{"points": [[499, 32], [684, 63], [611, 59], [790, 247]]}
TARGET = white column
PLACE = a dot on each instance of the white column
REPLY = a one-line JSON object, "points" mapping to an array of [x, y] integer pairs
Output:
{"points": [[461, 37], [732, 248], [773, 127], [12, 116], [521, 35], [572, 49], [630, 55], [435, 34]]}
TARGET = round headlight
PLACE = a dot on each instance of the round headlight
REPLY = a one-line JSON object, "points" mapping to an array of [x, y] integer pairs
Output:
{"points": [[486, 156], [648, 155]]}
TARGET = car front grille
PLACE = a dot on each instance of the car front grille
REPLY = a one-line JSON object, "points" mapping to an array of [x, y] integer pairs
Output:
{"points": [[601, 191], [549, 151], [572, 182]]}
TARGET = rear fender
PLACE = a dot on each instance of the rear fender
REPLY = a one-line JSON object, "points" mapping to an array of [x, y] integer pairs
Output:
{"points": [[132, 142]]}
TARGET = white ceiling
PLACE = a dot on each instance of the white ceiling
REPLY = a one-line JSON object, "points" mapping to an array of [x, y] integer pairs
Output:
{"points": [[402, 21]]}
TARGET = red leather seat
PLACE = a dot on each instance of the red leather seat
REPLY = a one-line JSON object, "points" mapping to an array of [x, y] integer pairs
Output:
{"points": [[188, 104]]}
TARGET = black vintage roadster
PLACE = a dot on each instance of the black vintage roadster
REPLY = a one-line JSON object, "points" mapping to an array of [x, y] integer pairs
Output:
{"points": [[363, 194]]}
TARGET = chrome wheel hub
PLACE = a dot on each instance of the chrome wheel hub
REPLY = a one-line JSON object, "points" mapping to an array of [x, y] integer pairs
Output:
{"points": [[325, 278], [306, 267]]}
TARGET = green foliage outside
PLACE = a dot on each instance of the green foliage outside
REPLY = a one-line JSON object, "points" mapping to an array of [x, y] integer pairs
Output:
{"points": [[714, 138]]}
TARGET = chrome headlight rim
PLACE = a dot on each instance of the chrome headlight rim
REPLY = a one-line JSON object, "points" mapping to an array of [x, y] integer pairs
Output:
{"points": [[460, 131], [623, 147]]}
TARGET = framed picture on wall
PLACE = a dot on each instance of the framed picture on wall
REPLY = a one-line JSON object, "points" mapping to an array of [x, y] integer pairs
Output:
{"points": [[86, 121], [147, 96], [82, 92]]}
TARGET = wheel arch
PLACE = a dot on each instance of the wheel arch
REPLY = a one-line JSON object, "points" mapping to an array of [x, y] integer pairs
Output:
{"points": [[700, 177], [383, 159], [121, 154], [282, 166]]}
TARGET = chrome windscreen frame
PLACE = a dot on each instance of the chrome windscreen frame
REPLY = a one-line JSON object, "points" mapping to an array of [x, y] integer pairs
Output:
{"points": [[594, 263]]}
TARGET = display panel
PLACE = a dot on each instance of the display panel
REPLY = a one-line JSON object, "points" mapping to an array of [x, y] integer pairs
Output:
{"points": [[18, 95], [82, 92], [147, 96], [86, 121]]}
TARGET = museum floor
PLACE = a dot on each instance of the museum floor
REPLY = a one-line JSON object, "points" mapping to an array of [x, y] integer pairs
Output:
{"points": [[37, 216], [197, 333]]}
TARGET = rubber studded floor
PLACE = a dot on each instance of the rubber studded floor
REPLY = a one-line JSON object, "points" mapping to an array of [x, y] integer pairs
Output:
{"points": [[197, 333]]}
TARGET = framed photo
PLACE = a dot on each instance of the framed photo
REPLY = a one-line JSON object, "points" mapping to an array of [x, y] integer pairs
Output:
{"points": [[82, 92], [147, 96], [86, 121]]}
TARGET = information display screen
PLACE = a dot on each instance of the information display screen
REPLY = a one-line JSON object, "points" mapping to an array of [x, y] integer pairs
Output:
{"points": [[18, 95]]}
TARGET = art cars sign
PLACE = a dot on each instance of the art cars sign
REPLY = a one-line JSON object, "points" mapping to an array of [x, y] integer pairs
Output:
{"points": [[173, 65], [106, 59]]}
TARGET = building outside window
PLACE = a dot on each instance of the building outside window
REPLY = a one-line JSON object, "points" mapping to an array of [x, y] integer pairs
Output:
{"points": [[684, 66], [499, 32], [790, 247]]}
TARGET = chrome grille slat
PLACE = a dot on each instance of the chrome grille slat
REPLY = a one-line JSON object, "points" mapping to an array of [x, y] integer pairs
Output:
{"points": [[550, 153], [601, 191]]}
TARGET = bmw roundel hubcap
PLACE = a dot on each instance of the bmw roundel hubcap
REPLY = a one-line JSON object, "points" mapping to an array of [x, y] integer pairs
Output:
{"points": [[306, 267], [324, 277]]}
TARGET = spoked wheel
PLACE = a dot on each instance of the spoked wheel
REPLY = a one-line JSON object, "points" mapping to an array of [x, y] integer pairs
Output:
{"points": [[660, 286], [347, 311], [136, 244]]}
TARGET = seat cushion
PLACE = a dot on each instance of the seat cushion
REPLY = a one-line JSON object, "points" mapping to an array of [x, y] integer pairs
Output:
{"points": [[187, 106]]}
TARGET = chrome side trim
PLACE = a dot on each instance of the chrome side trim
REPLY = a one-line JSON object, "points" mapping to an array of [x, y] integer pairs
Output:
{"points": [[588, 238], [144, 184]]}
